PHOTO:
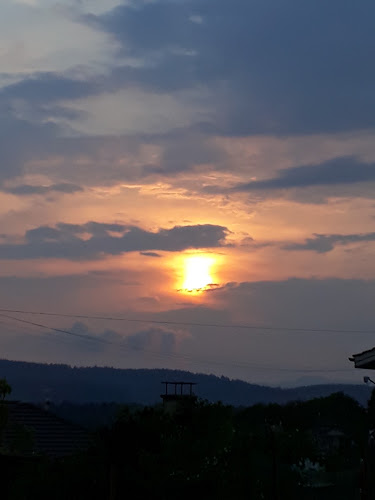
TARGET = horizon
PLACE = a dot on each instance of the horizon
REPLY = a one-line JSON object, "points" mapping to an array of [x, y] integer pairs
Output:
{"points": [[299, 383]]}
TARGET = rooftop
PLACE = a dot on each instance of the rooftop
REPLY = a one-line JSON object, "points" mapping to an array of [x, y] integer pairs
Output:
{"points": [[36, 431], [365, 359]]}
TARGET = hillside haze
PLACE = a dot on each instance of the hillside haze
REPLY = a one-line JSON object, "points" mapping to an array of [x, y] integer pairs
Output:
{"points": [[37, 382]]}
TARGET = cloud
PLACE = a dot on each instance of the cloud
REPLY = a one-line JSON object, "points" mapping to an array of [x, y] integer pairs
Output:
{"points": [[323, 243], [73, 342], [88, 345], [63, 241], [150, 254], [27, 189], [85, 340], [30, 141], [299, 304], [183, 150], [268, 356], [20, 141], [271, 73], [153, 340], [338, 171], [208, 92], [280, 77], [92, 291], [55, 40], [311, 303], [44, 88]]}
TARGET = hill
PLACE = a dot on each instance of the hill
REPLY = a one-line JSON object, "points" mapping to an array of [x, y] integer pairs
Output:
{"points": [[36, 382]]}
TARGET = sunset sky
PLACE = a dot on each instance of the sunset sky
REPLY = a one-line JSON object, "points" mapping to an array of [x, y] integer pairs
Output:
{"points": [[150, 147]]}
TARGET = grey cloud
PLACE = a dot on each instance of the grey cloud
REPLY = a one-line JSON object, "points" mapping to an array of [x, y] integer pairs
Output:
{"points": [[155, 340], [94, 228], [299, 67], [89, 346], [33, 139], [165, 24], [331, 303], [255, 355], [37, 101], [287, 67], [323, 243], [339, 171], [21, 141], [27, 189], [63, 240], [183, 150], [152, 340], [87, 341], [150, 254], [42, 88], [44, 292], [300, 304], [296, 67]]}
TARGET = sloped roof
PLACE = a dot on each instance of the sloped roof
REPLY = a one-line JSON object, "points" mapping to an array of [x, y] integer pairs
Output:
{"points": [[364, 359], [50, 434]]}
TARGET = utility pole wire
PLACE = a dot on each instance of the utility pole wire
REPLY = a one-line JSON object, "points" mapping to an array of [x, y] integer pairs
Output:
{"points": [[189, 323], [170, 355], [59, 330]]}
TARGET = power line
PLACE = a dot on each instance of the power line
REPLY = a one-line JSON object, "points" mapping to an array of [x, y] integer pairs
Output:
{"points": [[58, 330], [170, 355], [190, 323]]}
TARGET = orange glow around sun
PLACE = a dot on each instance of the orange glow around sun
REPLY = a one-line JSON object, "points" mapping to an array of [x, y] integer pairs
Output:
{"points": [[197, 274]]}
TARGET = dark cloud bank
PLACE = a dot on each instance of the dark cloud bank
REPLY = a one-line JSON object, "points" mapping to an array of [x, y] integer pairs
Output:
{"points": [[323, 243], [339, 171], [27, 189], [152, 340], [66, 240], [287, 66], [270, 67]]}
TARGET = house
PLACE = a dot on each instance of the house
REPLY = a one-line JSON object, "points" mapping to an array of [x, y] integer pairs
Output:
{"points": [[31, 436], [33, 431], [365, 359]]}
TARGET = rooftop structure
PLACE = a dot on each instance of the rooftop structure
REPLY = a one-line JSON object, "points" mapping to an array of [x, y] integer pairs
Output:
{"points": [[35, 431], [178, 396], [365, 359]]}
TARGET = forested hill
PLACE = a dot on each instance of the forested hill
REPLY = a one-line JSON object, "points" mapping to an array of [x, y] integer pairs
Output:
{"points": [[37, 382]]}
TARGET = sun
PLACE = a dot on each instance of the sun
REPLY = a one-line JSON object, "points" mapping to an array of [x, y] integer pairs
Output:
{"points": [[197, 273]]}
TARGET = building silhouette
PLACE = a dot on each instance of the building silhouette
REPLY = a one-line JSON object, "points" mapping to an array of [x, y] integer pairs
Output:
{"points": [[178, 396]]}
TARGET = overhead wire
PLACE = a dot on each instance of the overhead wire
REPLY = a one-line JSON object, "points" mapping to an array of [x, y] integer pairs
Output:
{"points": [[191, 323], [58, 330], [164, 354]]}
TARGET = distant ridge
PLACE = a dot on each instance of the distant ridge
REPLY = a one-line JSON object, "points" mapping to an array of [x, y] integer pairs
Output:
{"points": [[36, 382]]}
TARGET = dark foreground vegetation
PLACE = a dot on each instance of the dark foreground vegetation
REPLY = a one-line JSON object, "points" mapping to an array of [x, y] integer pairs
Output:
{"points": [[303, 450]]}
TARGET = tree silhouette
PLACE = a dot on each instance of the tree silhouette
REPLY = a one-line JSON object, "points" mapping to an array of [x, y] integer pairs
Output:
{"points": [[5, 389]]}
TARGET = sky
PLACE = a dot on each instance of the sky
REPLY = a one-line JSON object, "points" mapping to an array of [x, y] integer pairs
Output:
{"points": [[202, 168]]}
